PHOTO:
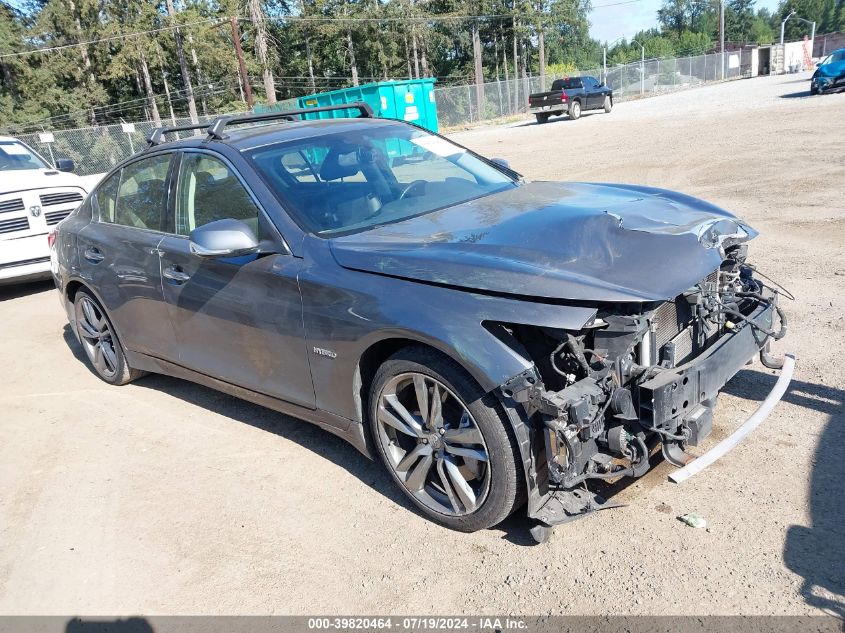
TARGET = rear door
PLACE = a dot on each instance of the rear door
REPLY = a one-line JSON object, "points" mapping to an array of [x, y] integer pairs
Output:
{"points": [[237, 319], [118, 253]]}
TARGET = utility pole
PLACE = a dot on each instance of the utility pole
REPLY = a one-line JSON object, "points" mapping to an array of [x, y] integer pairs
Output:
{"points": [[722, 34], [604, 64], [783, 24], [236, 36]]}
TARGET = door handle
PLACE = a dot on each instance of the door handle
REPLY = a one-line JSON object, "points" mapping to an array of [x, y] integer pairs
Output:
{"points": [[93, 255], [176, 274]]}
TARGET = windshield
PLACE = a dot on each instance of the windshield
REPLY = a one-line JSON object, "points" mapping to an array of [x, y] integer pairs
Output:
{"points": [[838, 56], [15, 155], [353, 180]]}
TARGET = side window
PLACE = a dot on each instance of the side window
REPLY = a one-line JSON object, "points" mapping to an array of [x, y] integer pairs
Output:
{"points": [[107, 197], [207, 190], [142, 194]]}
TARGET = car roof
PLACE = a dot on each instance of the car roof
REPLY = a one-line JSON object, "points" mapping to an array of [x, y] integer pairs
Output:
{"points": [[252, 136]]}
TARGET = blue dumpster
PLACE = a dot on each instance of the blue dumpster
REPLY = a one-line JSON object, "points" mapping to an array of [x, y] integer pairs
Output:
{"points": [[410, 100]]}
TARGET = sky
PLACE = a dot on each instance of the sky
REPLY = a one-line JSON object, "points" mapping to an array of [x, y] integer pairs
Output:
{"points": [[611, 19]]}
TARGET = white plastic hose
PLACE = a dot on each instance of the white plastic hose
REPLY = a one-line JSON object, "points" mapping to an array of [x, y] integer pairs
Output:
{"points": [[731, 442]]}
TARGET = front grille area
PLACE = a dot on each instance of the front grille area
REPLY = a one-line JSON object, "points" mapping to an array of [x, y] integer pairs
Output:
{"points": [[665, 323], [13, 225], [676, 337], [65, 197], [11, 205], [26, 262], [54, 217]]}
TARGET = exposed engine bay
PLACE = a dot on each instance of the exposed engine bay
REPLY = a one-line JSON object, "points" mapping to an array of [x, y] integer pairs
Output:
{"points": [[637, 376]]}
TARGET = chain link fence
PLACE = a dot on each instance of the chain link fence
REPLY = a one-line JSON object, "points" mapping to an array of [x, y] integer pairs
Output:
{"points": [[462, 105], [98, 149]]}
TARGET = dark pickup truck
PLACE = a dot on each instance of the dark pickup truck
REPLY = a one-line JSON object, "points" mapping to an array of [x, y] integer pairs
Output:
{"points": [[571, 95]]}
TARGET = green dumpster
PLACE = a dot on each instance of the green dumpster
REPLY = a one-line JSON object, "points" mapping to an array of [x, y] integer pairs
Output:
{"points": [[411, 100]]}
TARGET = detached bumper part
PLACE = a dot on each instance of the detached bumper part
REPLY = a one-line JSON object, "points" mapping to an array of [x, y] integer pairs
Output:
{"points": [[689, 392], [731, 442]]}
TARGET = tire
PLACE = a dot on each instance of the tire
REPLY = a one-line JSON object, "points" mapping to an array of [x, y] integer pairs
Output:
{"points": [[813, 90], [608, 104], [575, 110], [99, 341], [542, 118], [424, 462]]}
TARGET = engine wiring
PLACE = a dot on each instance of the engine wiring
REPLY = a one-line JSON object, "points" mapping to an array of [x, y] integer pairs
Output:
{"points": [[785, 293]]}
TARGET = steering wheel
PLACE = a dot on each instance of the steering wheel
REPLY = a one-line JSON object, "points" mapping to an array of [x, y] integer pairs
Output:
{"points": [[416, 184]]}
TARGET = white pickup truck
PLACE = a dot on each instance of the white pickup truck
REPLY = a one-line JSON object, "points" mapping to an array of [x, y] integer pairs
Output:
{"points": [[34, 197]]}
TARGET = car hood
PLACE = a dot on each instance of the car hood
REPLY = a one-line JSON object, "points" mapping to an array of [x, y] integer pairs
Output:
{"points": [[24, 179], [570, 241]]}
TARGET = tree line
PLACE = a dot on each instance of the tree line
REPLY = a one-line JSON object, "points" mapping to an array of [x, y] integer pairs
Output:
{"points": [[71, 63]]}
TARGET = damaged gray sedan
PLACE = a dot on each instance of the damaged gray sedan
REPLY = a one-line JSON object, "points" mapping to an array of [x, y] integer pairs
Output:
{"points": [[496, 343]]}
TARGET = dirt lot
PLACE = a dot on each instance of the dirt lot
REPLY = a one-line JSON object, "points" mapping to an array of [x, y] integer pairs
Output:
{"points": [[163, 497]]}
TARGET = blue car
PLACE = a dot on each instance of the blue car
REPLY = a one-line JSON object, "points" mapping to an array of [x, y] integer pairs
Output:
{"points": [[830, 74]]}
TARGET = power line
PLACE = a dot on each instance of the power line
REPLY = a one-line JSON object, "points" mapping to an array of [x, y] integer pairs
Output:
{"points": [[615, 4], [120, 36], [420, 18]]}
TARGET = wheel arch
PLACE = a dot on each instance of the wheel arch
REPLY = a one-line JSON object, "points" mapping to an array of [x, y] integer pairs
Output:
{"points": [[70, 290], [377, 352]]}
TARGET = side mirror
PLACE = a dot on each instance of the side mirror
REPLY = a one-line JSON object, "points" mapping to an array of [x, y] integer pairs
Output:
{"points": [[223, 238], [502, 162], [65, 164]]}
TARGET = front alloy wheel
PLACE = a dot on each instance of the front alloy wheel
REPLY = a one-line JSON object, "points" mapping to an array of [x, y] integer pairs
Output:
{"points": [[446, 443], [433, 445]]}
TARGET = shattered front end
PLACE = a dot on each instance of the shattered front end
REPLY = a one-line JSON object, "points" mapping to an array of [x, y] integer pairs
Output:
{"points": [[599, 401]]}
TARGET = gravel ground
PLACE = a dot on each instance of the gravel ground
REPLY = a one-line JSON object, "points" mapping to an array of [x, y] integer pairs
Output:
{"points": [[163, 497]]}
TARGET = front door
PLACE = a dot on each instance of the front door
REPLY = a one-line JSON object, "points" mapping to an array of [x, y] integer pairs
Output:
{"points": [[238, 319], [595, 97], [118, 253]]}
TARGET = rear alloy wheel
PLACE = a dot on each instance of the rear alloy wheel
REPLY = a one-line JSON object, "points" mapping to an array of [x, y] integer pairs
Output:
{"points": [[542, 118], [99, 341], [443, 442], [575, 110]]}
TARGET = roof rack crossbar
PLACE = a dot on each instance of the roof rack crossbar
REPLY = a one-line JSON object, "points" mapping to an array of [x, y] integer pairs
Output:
{"points": [[215, 130], [156, 137]]}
